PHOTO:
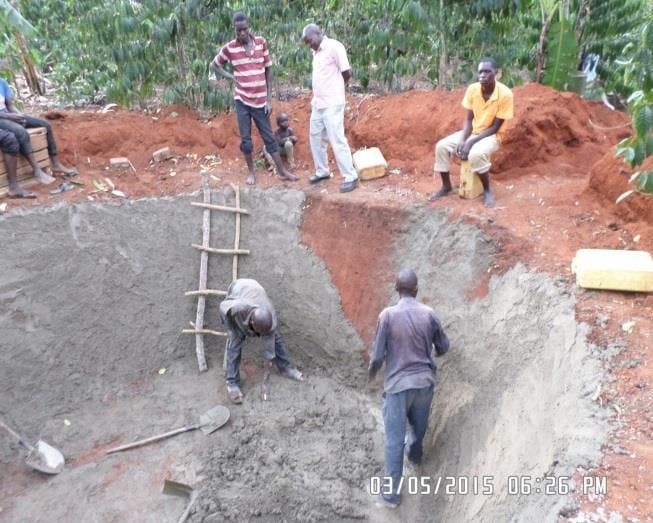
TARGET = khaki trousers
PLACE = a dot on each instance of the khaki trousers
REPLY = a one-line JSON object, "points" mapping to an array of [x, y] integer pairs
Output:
{"points": [[328, 125], [479, 155]]}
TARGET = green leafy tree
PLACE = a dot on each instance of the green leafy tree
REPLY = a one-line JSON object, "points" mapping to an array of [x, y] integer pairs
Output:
{"points": [[605, 30], [126, 51], [638, 74]]}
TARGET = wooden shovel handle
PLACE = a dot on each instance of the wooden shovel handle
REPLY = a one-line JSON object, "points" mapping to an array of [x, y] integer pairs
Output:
{"points": [[152, 439], [18, 437]]}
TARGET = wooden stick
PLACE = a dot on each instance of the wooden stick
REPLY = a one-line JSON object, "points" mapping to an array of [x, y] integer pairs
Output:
{"points": [[234, 267], [204, 263], [203, 331], [236, 209], [191, 502], [234, 271], [207, 292], [152, 439], [219, 251]]}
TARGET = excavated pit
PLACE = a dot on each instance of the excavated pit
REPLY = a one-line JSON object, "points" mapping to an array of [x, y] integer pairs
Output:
{"points": [[91, 356]]}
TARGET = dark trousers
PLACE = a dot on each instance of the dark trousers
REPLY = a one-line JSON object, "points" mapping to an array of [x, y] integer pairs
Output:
{"points": [[234, 349], [245, 114], [8, 143], [413, 405], [22, 136]]}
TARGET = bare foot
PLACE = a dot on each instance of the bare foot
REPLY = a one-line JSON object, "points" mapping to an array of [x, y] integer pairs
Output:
{"points": [[488, 199], [439, 194], [289, 176], [251, 179], [19, 192], [43, 177]]}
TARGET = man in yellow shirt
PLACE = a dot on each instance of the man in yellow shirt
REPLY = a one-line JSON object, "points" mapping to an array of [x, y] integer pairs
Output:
{"points": [[489, 104]]}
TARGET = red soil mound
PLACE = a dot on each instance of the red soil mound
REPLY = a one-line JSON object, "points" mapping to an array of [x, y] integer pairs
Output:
{"points": [[93, 138], [609, 177], [552, 133], [548, 126]]}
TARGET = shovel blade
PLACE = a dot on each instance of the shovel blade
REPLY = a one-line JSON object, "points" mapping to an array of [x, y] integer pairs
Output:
{"points": [[45, 458], [213, 419], [176, 488]]}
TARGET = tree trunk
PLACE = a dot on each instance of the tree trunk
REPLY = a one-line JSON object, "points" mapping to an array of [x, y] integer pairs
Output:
{"points": [[583, 12], [442, 66], [29, 69], [541, 51]]}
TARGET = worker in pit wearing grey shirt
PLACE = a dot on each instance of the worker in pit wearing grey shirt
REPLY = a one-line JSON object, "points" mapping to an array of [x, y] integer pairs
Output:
{"points": [[248, 312], [405, 336]]}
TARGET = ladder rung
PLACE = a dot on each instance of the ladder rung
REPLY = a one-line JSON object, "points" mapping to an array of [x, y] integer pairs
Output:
{"points": [[220, 251], [207, 292], [219, 207], [204, 331]]}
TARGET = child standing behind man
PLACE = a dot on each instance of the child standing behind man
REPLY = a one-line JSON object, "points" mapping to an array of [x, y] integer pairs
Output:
{"points": [[286, 140]]}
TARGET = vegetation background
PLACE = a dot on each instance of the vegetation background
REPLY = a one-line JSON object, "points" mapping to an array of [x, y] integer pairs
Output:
{"points": [[129, 51]]}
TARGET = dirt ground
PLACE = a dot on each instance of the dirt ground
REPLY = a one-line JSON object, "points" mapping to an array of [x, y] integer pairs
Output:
{"points": [[554, 178]]}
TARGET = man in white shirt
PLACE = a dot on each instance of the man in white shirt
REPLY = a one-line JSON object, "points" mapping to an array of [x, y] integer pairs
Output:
{"points": [[331, 70]]}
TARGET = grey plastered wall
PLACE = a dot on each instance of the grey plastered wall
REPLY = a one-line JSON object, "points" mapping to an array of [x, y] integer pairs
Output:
{"points": [[92, 298], [93, 295]]}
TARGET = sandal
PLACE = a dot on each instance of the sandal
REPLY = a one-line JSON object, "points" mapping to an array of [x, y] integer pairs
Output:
{"points": [[69, 173], [22, 194], [64, 187]]}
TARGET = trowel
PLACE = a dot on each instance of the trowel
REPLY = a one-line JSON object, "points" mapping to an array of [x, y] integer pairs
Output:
{"points": [[209, 422], [42, 457]]}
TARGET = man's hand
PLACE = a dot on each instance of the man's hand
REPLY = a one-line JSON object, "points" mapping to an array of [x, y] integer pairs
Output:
{"points": [[373, 369], [463, 148], [268, 106], [15, 117], [459, 147]]}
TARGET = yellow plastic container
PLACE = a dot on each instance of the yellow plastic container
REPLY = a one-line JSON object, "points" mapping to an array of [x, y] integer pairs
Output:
{"points": [[470, 184], [613, 270], [370, 163]]}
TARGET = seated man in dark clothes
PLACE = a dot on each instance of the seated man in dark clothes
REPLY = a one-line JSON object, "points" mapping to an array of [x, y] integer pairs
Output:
{"points": [[16, 123]]}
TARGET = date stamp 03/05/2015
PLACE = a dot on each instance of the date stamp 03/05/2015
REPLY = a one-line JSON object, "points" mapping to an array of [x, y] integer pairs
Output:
{"points": [[489, 485]]}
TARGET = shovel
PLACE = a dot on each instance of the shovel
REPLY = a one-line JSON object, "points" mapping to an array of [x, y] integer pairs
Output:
{"points": [[176, 488], [41, 457], [209, 422]]}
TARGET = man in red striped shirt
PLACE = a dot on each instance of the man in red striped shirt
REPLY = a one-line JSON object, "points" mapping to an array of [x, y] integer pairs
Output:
{"points": [[252, 74]]}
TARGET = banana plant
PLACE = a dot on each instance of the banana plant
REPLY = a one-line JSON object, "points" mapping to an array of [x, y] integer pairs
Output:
{"points": [[558, 51], [11, 19]]}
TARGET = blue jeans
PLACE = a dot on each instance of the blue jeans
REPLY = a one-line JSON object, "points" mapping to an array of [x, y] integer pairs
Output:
{"points": [[245, 114], [414, 405]]}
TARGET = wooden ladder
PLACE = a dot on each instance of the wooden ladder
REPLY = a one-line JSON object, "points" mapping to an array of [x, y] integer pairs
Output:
{"points": [[202, 292]]}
